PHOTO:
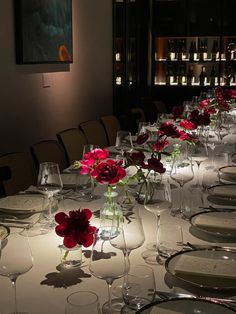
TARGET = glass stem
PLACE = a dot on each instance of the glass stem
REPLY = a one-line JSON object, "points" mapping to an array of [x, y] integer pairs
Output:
{"points": [[158, 217], [198, 169], [182, 205], [13, 281], [109, 285]]}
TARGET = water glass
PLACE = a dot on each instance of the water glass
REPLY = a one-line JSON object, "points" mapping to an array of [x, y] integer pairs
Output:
{"points": [[139, 287], [169, 236], [85, 302]]}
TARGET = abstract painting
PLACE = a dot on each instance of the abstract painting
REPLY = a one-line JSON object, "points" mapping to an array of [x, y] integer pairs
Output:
{"points": [[43, 31]]}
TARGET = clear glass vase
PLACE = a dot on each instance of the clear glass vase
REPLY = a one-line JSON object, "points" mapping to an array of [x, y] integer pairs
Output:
{"points": [[111, 212], [70, 257], [126, 199]]}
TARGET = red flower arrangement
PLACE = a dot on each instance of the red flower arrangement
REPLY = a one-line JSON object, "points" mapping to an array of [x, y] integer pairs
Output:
{"points": [[75, 227], [103, 170]]}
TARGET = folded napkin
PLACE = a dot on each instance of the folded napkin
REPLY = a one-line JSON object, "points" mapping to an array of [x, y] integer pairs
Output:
{"points": [[217, 221], [69, 179], [23, 202], [225, 190], [189, 266], [229, 170]]}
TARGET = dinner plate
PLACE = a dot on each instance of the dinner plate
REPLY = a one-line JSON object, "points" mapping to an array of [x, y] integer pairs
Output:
{"points": [[227, 174], [224, 191], [186, 306], [205, 268], [20, 204], [219, 223]]}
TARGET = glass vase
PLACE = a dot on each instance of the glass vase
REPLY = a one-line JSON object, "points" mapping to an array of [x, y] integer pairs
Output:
{"points": [[126, 199], [111, 212], [70, 257]]}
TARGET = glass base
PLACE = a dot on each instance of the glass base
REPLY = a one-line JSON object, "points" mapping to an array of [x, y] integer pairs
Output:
{"points": [[116, 306], [178, 213], [153, 258]]}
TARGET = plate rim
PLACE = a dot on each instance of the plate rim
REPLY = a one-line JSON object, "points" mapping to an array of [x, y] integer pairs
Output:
{"points": [[229, 166], [193, 283], [204, 230], [196, 299], [221, 196], [14, 210]]}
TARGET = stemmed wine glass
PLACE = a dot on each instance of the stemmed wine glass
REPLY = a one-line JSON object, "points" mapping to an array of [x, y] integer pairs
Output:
{"points": [[181, 172], [159, 202], [134, 238], [107, 261], [16, 259], [198, 153], [124, 142], [49, 181]]}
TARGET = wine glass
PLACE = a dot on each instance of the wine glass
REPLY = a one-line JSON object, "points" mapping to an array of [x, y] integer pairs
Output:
{"points": [[160, 201], [16, 259], [198, 153], [85, 302], [49, 181], [108, 261], [124, 142], [134, 238], [181, 172]]}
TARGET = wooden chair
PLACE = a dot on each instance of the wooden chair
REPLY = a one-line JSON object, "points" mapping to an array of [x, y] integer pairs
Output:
{"points": [[22, 172], [73, 141], [111, 125], [49, 150], [94, 132]]}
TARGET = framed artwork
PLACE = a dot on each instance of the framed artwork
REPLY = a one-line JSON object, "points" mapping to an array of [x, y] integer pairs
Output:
{"points": [[43, 31]]}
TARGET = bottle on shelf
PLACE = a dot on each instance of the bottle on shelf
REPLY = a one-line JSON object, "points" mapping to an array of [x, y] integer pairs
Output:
{"points": [[181, 49], [181, 75], [200, 50], [190, 76], [170, 50], [169, 75], [203, 77], [213, 76], [193, 51], [205, 49], [215, 51]]}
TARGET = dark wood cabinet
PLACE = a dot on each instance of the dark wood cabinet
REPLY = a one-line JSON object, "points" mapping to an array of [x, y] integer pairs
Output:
{"points": [[153, 55]]}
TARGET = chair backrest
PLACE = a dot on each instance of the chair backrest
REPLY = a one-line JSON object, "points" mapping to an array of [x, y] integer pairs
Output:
{"points": [[73, 141], [94, 133], [22, 172], [49, 150], [111, 125]]}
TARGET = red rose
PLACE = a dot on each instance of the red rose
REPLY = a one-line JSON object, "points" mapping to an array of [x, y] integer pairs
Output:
{"points": [[177, 112], [109, 172], [168, 129], [135, 158], [75, 228], [155, 165], [142, 138], [160, 145]]}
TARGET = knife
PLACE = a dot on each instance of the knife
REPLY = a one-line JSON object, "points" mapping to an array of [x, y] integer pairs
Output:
{"points": [[170, 295]]}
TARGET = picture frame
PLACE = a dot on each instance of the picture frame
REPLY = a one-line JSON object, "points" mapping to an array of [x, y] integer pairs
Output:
{"points": [[43, 31]]}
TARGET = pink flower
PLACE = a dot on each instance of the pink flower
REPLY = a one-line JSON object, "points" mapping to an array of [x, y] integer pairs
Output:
{"points": [[188, 125], [91, 159], [160, 145]]}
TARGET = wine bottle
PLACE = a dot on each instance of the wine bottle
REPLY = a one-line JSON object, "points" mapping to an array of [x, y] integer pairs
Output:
{"points": [[169, 75], [190, 76], [215, 51], [192, 51], [205, 49], [181, 75], [200, 50], [170, 50], [213, 76], [203, 76]]}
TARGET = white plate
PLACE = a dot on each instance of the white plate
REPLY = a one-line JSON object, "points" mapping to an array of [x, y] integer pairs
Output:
{"points": [[225, 191], [216, 223], [22, 204], [227, 174], [186, 306], [205, 268]]}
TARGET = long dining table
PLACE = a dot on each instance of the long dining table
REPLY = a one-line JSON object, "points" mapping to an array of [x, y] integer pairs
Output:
{"points": [[45, 287]]}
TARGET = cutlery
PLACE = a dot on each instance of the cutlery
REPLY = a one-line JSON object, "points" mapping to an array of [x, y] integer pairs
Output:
{"points": [[170, 295], [12, 220]]}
